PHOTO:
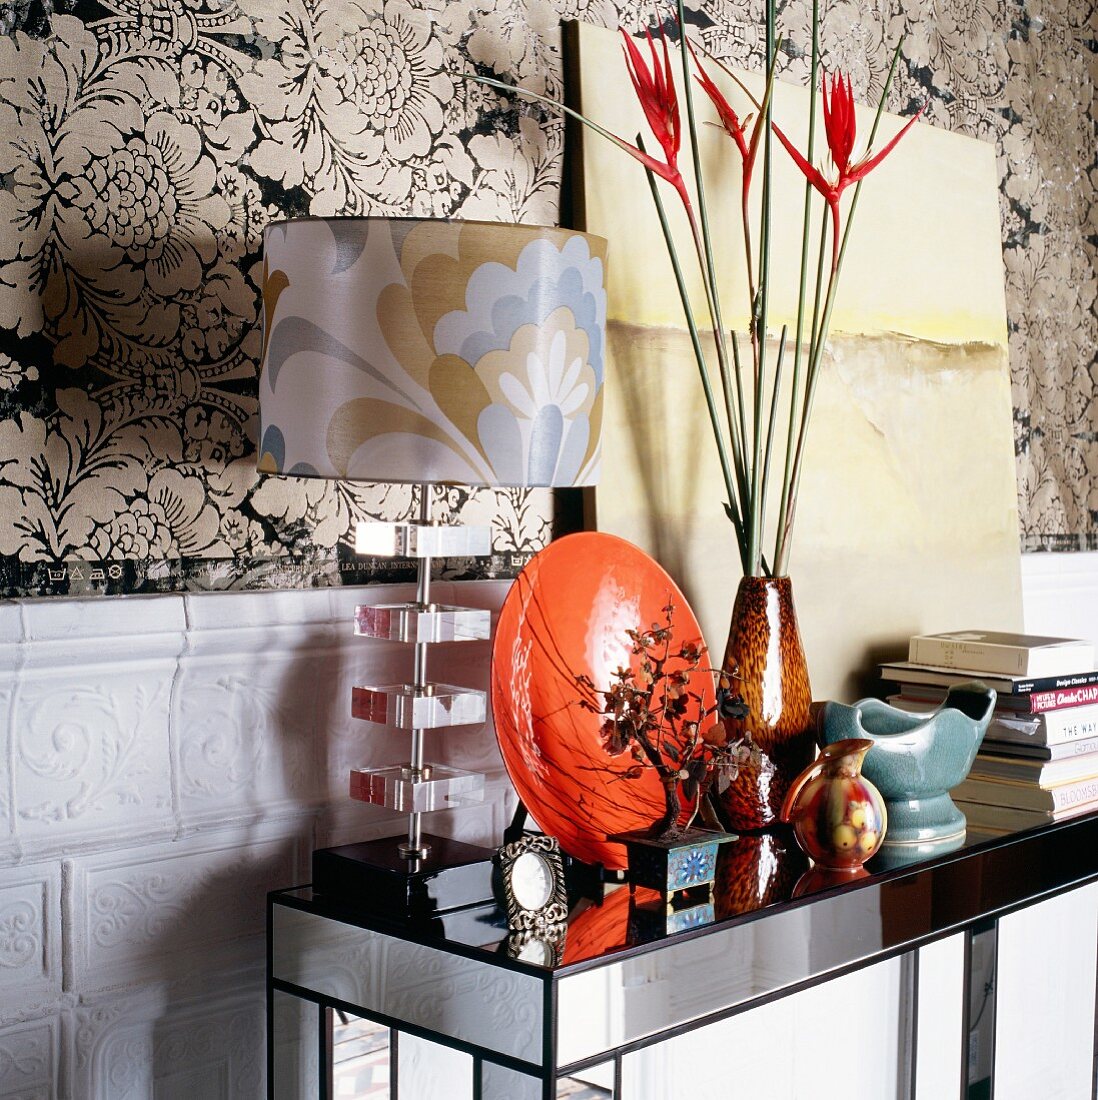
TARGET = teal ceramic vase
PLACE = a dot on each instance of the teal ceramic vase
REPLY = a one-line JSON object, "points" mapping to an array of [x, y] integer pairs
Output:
{"points": [[917, 759]]}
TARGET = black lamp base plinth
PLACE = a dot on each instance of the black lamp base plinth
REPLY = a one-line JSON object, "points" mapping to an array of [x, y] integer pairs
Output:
{"points": [[374, 875]]}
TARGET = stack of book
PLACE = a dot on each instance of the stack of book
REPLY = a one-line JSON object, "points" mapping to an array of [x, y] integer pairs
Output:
{"points": [[1039, 759]]}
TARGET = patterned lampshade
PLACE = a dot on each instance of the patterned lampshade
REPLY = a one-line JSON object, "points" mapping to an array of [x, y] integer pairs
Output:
{"points": [[418, 350]]}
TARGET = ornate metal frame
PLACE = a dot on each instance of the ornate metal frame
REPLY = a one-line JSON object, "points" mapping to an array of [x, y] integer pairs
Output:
{"points": [[555, 911]]}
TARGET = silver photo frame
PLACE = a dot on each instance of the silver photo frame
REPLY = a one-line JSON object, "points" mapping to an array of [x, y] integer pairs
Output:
{"points": [[534, 889]]}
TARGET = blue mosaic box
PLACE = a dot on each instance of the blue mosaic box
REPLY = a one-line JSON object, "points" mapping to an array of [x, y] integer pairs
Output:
{"points": [[687, 862]]}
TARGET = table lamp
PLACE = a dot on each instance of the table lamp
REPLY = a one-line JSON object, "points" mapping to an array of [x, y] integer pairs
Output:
{"points": [[430, 352]]}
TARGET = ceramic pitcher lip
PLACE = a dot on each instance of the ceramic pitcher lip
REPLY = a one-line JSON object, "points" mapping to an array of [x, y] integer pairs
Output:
{"points": [[851, 746]]}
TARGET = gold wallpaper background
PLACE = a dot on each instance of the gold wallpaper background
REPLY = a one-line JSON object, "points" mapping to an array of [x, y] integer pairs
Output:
{"points": [[145, 143]]}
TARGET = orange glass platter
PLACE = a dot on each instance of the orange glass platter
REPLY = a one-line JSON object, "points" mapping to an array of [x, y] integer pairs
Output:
{"points": [[567, 615]]}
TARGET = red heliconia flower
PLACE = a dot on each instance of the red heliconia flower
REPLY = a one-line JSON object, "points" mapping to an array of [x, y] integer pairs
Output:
{"points": [[840, 125], [734, 126], [729, 119], [655, 88]]}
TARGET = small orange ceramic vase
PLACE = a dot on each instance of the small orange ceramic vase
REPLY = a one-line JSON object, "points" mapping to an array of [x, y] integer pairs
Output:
{"points": [[838, 816]]}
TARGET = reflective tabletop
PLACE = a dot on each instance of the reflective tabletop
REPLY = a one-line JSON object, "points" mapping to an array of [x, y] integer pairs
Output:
{"points": [[759, 877]]}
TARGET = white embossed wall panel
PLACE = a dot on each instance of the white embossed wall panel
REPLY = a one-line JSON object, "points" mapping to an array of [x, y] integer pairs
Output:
{"points": [[165, 909], [91, 755], [30, 934], [11, 656], [136, 1048], [29, 1057], [245, 726], [89, 723]]}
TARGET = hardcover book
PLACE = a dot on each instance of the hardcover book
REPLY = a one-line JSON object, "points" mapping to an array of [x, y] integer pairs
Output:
{"points": [[1037, 702], [1009, 819], [1041, 752], [1037, 773], [906, 672], [1024, 796], [1008, 654]]}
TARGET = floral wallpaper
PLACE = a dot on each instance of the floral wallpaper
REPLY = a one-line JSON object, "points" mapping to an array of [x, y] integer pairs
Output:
{"points": [[145, 143]]}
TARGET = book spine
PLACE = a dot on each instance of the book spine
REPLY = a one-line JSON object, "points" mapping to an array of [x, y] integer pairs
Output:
{"points": [[1025, 796], [905, 674], [1055, 683], [1053, 728], [1040, 702], [1069, 725], [979, 656], [1063, 751], [1072, 794]]}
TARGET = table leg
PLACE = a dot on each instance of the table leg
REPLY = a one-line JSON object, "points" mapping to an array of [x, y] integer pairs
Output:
{"points": [[294, 1043], [979, 1028]]}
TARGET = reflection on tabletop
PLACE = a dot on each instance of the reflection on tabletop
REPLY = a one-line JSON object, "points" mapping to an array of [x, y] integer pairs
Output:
{"points": [[753, 871]]}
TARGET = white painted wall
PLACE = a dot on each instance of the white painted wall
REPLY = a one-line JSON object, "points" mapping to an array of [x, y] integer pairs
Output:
{"points": [[165, 762], [1060, 594]]}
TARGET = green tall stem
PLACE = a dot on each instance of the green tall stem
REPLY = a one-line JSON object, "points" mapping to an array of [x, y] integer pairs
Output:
{"points": [[781, 558], [771, 426], [734, 513], [734, 408], [817, 304], [704, 245], [759, 333], [798, 350]]}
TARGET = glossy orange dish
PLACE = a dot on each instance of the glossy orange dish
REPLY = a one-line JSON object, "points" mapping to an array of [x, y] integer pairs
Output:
{"points": [[567, 615]]}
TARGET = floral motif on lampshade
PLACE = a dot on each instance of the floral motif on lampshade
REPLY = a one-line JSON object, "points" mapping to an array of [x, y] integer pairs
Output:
{"points": [[404, 349]]}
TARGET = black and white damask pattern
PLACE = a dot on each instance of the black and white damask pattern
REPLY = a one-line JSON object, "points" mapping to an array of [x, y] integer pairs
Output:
{"points": [[145, 143]]}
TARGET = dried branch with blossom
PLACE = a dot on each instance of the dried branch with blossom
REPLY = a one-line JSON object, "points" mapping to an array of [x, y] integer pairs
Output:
{"points": [[652, 712]]}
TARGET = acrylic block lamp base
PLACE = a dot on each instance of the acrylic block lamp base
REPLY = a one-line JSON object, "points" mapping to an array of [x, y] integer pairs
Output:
{"points": [[374, 876]]}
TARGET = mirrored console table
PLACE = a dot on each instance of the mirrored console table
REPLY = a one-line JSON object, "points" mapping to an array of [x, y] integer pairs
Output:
{"points": [[513, 1020]]}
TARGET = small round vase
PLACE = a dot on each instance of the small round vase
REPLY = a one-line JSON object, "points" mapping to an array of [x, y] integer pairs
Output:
{"points": [[838, 816], [765, 659]]}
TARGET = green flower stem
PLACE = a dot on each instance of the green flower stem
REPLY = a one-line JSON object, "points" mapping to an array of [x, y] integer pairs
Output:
{"points": [[759, 333], [817, 307], [782, 556], [806, 232], [738, 456], [773, 420], [737, 505], [734, 407], [699, 354], [781, 560], [706, 258]]}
